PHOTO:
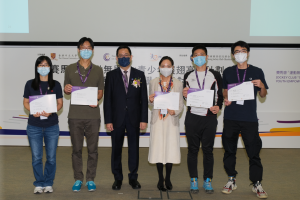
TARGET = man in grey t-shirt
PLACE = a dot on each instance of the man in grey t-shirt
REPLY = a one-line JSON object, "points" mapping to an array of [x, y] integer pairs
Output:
{"points": [[84, 120]]}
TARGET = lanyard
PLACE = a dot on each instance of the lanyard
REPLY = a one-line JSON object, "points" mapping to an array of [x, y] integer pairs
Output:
{"points": [[203, 79], [169, 87], [87, 75], [238, 75], [41, 90]]}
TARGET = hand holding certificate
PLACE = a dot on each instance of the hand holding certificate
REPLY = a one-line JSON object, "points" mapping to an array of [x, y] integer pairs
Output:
{"points": [[40, 103], [84, 95], [166, 100], [240, 91], [200, 98]]}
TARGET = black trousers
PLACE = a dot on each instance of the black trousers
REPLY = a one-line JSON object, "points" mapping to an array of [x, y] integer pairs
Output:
{"points": [[200, 129], [253, 145], [117, 139]]}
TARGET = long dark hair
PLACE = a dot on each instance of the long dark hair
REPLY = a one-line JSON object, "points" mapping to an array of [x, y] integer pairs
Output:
{"points": [[36, 81]]}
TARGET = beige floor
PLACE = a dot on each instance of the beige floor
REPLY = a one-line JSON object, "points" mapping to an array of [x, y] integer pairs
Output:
{"points": [[281, 176]]}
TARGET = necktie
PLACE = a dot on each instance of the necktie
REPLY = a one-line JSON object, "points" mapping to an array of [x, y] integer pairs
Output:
{"points": [[125, 79]]}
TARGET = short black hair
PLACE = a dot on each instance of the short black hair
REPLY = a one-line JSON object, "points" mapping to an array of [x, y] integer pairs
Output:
{"points": [[166, 58], [241, 44], [199, 46], [83, 40], [123, 47], [36, 81]]}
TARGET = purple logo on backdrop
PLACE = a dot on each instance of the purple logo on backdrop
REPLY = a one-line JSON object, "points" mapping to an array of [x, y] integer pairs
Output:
{"points": [[106, 57]]}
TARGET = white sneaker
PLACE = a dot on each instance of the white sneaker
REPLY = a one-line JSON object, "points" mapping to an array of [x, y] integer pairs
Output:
{"points": [[38, 190], [260, 193], [230, 185], [48, 189]]}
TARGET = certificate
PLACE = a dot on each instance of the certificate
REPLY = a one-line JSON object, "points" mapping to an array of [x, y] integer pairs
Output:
{"points": [[40, 103], [240, 91], [166, 100], [84, 95], [200, 98]]}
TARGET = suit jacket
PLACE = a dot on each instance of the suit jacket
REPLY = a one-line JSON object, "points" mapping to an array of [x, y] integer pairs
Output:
{"points": [[177, 87], [116, 101]]}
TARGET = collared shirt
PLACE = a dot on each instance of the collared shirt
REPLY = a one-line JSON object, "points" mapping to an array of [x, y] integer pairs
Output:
{"points": [[128, 72], [95, 79]]}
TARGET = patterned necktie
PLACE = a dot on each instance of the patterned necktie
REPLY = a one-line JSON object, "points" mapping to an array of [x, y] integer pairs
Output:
{"points": [[125, 79]]}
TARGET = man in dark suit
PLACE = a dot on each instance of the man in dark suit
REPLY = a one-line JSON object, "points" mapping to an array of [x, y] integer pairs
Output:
{"points": [[125, 107]]}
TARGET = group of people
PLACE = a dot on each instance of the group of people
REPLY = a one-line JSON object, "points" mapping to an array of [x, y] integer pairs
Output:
{"points": [[125, 107]]}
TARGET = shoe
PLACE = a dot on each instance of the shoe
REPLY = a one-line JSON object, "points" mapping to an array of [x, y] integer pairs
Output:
{"points": [[48, 189], [38, 190], [260, 193], [134, 184], [207, 186], [230, 185], [91, 186], [77, 186], [194, 186], [161, 187], [117, 185], [169, 186]]}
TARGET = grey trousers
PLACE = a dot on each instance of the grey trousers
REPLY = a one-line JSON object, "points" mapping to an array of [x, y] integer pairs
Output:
{"points": [[90, 129]]}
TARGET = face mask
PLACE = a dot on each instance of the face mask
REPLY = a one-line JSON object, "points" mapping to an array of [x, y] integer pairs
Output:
{"points": [[86, 53], [43, 71], [240, 57], [166, 71], [200, 60], [124, 62]]}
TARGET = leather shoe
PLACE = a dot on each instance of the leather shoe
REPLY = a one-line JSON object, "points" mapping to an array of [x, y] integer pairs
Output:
{"points": [[169, 186], [134, 184], [161, 188], [117, 185]]}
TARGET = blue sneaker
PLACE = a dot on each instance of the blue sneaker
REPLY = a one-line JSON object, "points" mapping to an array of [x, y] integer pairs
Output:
{"points": [[194, 185], [207, 186], [77, 186], [91, 186]]}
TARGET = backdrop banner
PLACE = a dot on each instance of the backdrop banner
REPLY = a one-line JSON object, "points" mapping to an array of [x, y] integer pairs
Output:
{"points": [[278, 113]]}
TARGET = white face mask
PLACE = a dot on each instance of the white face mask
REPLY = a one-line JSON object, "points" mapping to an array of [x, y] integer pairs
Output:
{"points": [[240, 57], [166, 71]]}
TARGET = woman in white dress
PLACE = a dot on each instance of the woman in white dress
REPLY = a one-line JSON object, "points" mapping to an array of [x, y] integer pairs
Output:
{"points": [[164, 145]]}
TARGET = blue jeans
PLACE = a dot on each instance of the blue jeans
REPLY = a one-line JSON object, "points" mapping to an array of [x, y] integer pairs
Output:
{"points": [[35, 137]]}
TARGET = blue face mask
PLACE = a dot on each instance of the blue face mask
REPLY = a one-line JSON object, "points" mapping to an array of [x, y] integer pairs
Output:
{"points": [[200, 60], [43, 71], [86, 53], [124, 62]]}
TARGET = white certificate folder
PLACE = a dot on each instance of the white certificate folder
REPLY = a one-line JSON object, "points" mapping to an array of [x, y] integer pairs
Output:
{"points": [[40, 103], [240, 91], [200, 98], [166, 100], [84, 95]]}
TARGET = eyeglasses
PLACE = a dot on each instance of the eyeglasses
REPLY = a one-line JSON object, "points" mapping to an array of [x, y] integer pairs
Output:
{"points": [[122, 56], [241, 51], [43, 66], [85, 48]]}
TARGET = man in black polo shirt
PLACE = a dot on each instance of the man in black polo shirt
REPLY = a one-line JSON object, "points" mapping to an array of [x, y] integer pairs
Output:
{"points": [[241, 117]]}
